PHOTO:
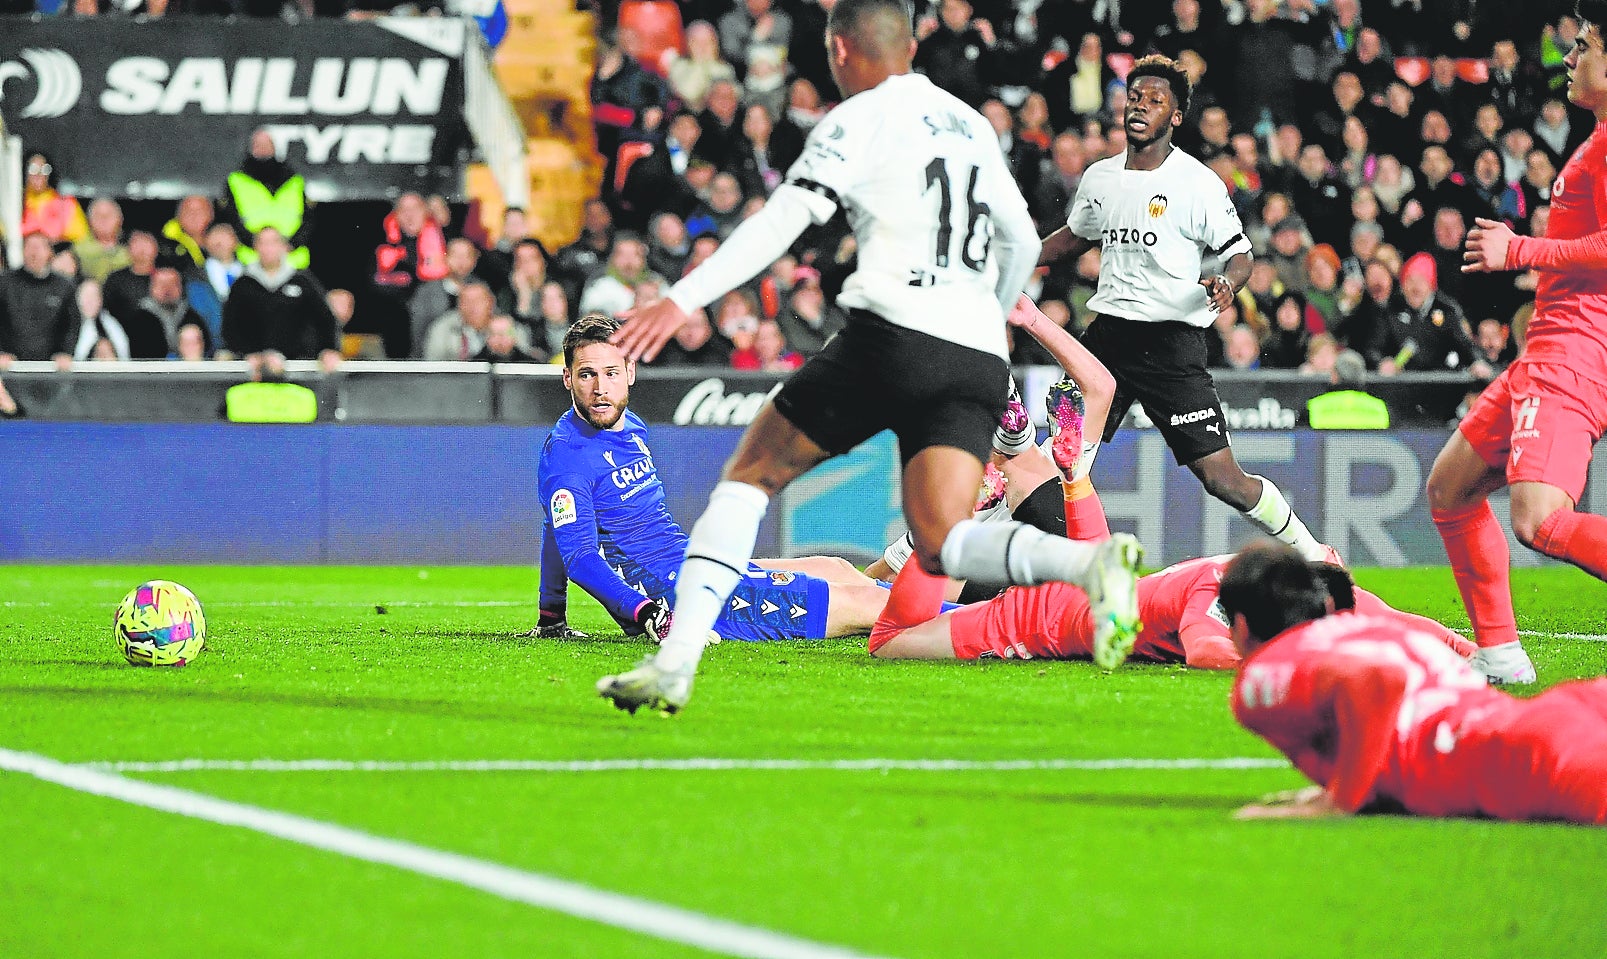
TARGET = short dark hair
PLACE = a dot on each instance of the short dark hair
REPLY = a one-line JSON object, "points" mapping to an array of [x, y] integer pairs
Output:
{"points": [[1165, 68], [1337, 580], [1273, 589], [872, 25], [589, 329], [1593, 12]]}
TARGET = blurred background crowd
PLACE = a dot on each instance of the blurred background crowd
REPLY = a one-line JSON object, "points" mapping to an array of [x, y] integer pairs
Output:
{"points": [[1359, 140]]}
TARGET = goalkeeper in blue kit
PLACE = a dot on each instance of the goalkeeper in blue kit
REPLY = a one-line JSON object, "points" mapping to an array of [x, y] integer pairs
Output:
{"points": [[607, 529]]}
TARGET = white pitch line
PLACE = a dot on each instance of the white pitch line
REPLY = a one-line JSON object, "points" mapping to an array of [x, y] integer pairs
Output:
{"points": [[613, 909], [680, 765], [1586, 637]]}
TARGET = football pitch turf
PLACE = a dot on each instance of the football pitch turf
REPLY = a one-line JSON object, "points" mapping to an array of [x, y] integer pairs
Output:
{"points": [[419, 674]]}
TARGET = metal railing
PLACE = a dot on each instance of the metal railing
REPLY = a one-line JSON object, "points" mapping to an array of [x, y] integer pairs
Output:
{"points": [[495, 126]]}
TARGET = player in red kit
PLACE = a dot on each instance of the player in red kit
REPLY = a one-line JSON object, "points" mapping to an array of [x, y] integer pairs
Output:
{"points": [[1533, 428], [1383, 717]]}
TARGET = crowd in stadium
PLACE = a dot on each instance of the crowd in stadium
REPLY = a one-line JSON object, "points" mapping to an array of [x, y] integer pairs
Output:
{"points": [[1359, 140]]}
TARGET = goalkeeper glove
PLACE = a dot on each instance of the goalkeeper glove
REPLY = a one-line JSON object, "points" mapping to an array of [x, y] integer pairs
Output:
{"points": [[553, 624], [654, 617]]}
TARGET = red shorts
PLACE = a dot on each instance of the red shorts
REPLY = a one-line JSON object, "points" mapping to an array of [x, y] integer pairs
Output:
{"points": [[1538, 421], [1551, 761], [1023, 622]]}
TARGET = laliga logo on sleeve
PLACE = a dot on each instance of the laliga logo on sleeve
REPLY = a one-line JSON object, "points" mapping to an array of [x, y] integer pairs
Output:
{"points": [[57, 82], [562, 508]]}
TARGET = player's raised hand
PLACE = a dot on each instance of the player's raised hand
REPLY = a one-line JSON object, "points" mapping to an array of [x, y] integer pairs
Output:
{"points": [[648, 328], [1025, 313], [1487, 245]]}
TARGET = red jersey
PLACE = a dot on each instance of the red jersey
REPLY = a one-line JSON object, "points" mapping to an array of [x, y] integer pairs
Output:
{"points": [[1378, 712], [1570, 316]]}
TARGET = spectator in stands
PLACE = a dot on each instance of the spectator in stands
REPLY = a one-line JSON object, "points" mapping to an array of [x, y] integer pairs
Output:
{"points": [[45, 209], [1243, 352], [1032, 122], [440, 211], [956, 51], [88, 325], [126, 287], [192, 344], [460, 334], [613, 291], [1286, 342], [1393, 127], [627, 101], [695, 344], [184, 237], [1320, 197], [1185, 31], [722, 212], [1555, 131], [1322, 353], [1485, 134], [1358, 164], [1322, 282], [153, 330], [267, 191], [1372, 63], [1076, 88], [1435, 189], [1445, 91], [207, 288], [1260, 294], [691, 76], [809, 321], [1497, 198], [521, 299], [102, 251], [1494, 346], [1348, 102], [1445, 247], [1021, 157], [1516, 87], [1058, 178], [770, 353], [502, 344], [721, 122], [658, 181], [753, 24], [33, 305], [1427, 329], [277, 312], [414, 251], [804, 104], [65, 263], [766, 80], [1263, 86], [436, 298], [1289, 245], [766, 149], [555, 318], [1339, 28], [668, 246], [576, 263], [496, 263]]}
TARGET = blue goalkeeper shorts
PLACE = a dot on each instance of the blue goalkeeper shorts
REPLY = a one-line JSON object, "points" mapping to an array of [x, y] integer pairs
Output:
{"points": [[771, 605]]}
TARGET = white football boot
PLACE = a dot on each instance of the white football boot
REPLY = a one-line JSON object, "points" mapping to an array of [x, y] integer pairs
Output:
{"points": [[1505, 665], [1112, 588], [649, 685]]}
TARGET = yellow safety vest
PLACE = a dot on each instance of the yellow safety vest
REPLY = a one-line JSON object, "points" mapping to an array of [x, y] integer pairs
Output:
{"points": [[1348, 410], [271, 403], [257, 208]]}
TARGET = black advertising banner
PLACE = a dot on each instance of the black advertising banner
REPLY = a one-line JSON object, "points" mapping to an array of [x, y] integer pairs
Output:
{"points": [[162, 108]]}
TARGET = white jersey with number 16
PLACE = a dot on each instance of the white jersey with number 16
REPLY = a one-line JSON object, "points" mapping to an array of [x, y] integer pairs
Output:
{"points": [[941, 226]]}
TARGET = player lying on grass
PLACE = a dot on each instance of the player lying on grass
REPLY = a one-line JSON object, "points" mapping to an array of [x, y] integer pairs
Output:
{"points": [[1023, 472], [1383, 717], [612, 534], [1182, 621]]}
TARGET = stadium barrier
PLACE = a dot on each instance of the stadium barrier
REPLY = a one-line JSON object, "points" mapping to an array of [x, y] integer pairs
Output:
{"points": [[411, 392], [331, 493]]}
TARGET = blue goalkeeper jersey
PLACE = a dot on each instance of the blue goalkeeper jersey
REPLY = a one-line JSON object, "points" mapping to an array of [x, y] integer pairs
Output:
{"points": [[605, 506], [606, 526]]}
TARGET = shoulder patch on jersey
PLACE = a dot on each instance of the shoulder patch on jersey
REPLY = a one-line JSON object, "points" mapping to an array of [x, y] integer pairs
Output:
{"points": [[562, 508], [780, 578]]}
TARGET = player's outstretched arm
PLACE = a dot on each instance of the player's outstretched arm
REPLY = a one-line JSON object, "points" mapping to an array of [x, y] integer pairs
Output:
{"points": [[1365, 697], [1313, 802], [1061, 244], [753, 246], [1491, 246]]}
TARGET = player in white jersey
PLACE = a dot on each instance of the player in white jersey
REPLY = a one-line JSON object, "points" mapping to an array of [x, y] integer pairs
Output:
{"points": [[1156, 213], [945, 243]]}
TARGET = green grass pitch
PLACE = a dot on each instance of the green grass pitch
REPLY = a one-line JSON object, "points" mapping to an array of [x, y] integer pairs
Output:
{"points": [[1025, 863]]}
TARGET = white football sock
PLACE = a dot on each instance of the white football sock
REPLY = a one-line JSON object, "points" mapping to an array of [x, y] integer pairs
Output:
{"points": [[717, 555], [1014, 554], [1277, 518]]}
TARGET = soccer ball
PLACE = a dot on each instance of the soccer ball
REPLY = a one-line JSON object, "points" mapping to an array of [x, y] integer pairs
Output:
{"points": [[159, 623]]}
